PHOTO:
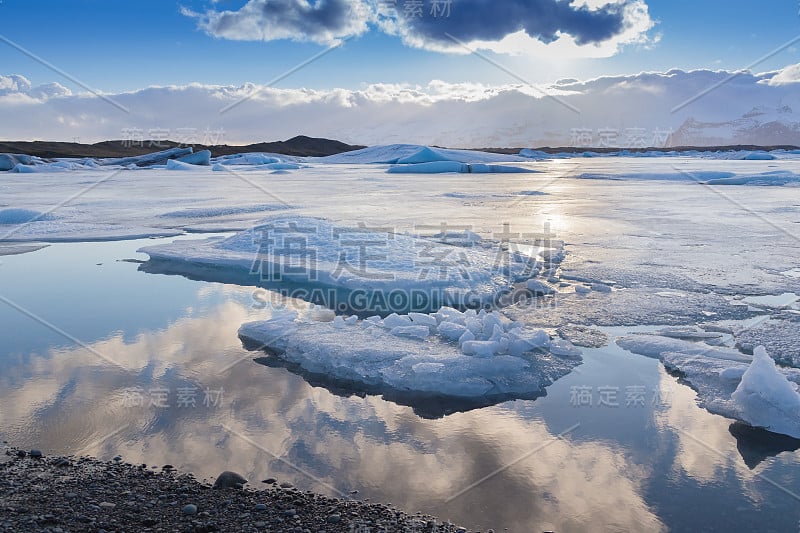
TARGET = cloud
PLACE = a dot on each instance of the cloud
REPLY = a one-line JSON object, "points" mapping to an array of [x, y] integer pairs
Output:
{"points": [[19, 89], [442, 113], [787, 75], [535, 27], [323, 22]]}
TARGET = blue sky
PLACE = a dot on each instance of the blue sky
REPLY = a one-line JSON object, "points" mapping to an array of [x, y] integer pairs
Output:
{"points": [[117, 46]]}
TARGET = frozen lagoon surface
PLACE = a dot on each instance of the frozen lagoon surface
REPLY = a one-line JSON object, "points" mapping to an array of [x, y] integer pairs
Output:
{"points": [[667, 286]]}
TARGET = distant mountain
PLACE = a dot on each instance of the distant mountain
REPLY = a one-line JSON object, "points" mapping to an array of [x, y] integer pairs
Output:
{"points": [[758, 126], [299, 146]]}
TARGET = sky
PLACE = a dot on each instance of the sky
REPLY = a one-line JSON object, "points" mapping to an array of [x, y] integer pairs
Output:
{"points": [[111, 47]]}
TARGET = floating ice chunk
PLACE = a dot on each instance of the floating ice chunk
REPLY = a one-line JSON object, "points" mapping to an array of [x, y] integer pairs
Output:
{"points": [[758, 156], [395, 277], [480, 348], [432, 167], [146, 160], [538, 288], [753, 390], [415, 332], [582, 289], [600, 287], [451, 331], [467, 336], [564, 348], [482, 168], [732, 373], [765, 398], [277, 166], [423, 155], [688, 333], [423, 319], [351, 320], [524, 341], [394, 320], [534, 154], [474, 325], [449, 314], [203, 157], [410, 359], [9, 161], [253, 158], [656, 346], [174, 164], [19, 168]]}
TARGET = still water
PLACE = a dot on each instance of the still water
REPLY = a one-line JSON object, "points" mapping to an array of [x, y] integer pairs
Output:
{"points": [[101, 358]]}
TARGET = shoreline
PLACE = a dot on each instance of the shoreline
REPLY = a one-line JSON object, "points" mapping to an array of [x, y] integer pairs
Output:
{"points": [[60, 494]]}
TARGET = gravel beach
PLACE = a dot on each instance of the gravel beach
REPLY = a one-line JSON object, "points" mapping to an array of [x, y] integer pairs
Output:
{"points": [[68, 494]]}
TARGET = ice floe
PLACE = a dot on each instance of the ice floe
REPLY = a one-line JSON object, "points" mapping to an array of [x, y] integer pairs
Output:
{"points": [[729, 383], [370, 268], [448, 353]]}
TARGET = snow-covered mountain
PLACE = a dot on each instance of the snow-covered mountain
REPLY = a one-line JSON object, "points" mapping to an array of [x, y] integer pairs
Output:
{"points": [[760, 126], [699, 107]]}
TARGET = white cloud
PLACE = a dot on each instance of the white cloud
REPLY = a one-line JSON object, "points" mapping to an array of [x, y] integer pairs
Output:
{"points": [[443, 113], [787, 75]]}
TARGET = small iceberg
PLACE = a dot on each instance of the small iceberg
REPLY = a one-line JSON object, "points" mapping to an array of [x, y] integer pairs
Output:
{"points": [[449, 353]]}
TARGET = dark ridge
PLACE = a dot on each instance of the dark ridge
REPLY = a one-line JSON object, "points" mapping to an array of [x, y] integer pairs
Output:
{"points": [[606, 150], [299, 146]]}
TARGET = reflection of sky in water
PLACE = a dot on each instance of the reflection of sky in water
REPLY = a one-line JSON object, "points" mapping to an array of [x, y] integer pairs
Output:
{"points": [[631, 467]]}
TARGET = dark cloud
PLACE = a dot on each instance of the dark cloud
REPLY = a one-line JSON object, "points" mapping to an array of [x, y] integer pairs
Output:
{"points": [[426, 23], [491, 20], [320, 21]]}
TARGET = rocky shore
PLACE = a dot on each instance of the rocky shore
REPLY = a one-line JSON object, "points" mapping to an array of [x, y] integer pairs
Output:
{"points": [[67, 494]]}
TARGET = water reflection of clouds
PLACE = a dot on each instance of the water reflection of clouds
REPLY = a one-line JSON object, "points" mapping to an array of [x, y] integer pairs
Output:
{"points": [[71, 399]]}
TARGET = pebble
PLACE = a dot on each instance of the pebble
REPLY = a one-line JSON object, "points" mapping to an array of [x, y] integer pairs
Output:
{"points": [[36, 454], [260, 507], [190, 509], [286, 485], [229, 480]]}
